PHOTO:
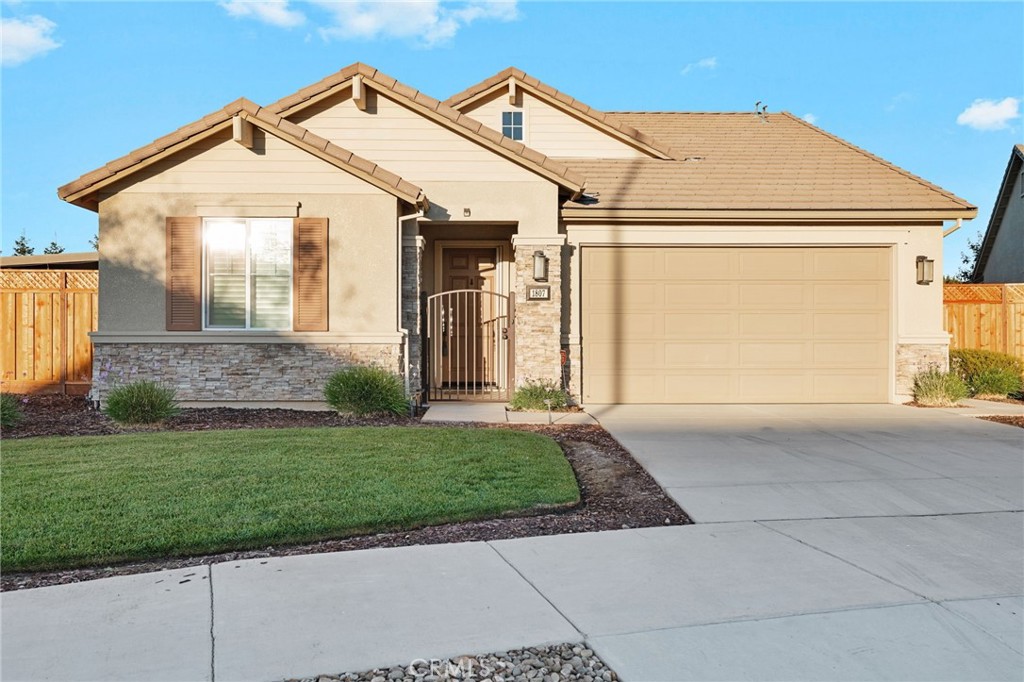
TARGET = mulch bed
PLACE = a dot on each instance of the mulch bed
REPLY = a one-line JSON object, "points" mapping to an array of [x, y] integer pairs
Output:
{"points": [[616, 492], [1012, 421]]}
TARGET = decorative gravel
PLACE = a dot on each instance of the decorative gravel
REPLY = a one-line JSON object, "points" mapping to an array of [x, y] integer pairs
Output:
{"points": [[559, 663]]}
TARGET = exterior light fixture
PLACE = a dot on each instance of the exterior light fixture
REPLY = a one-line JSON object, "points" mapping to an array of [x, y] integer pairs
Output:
{"points": [[540, 267], [925, 270], [466, 213]]}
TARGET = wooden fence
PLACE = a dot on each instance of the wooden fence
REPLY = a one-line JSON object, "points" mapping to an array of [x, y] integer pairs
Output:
{"points": [[45, 320], [989, 316]]}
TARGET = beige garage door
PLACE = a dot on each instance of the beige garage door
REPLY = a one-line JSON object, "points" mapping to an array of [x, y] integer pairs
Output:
{"points": [[728, 325]]}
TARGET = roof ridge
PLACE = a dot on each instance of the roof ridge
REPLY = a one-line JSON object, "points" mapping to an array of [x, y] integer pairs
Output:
{"points": [[888, 164], [288, 104], [570, 104]]}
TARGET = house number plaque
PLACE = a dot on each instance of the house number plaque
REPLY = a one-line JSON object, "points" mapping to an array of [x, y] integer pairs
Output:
{"points": [[538, 293]]}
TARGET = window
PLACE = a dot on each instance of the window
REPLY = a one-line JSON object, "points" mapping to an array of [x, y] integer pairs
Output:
{"points": [[247, 273], [512, 124]]}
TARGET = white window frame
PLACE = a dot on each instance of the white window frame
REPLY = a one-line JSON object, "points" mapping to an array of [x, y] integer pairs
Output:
{"points": [[204, 275], [522, 125]]}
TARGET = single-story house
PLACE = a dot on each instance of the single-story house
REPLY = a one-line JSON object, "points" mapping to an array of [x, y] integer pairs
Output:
{"points": [[509, 234], [1001, 257]]}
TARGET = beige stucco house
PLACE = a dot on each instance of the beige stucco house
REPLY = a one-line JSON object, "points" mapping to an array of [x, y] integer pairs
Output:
{"points": [[1001, 257], [513, 233]]}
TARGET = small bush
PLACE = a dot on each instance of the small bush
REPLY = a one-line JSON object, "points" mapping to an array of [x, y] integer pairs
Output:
{"points": [[141, 402], [935, 388], [969, 362], [10, 411], [366, 390], [995, 382], [532, 394]]}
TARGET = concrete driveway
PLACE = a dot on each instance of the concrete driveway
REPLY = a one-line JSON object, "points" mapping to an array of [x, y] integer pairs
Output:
{"points": [[923, 505]]}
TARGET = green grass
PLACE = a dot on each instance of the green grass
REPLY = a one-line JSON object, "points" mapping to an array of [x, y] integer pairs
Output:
{"points": [[70, 502]]}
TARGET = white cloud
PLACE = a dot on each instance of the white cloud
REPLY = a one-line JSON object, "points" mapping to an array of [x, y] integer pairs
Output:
{"points": [[427, 22], [898, 100], [273, 12], [988, 114], [23, 39], [706, 64], [811, 118]]}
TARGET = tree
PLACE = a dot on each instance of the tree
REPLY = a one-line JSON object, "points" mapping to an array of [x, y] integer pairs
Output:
{"points": [[968, 259], [22, 247], [95, 242], [53, 248]]}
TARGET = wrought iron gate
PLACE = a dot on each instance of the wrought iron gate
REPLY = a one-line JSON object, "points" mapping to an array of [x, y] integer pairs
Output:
{"points": [[470, 342]]}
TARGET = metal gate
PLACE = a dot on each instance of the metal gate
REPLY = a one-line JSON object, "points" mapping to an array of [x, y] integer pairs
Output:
{"points": [[470, 337]]}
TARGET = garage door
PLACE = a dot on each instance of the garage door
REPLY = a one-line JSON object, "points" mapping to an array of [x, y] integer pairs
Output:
{"points": [[727, 325]]}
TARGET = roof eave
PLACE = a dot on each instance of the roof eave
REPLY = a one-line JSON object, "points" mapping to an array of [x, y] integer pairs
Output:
{"points": [[996, 219]]}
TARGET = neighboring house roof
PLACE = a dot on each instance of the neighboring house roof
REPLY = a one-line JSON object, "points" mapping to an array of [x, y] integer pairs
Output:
{"points": [[601, 120], [739, 161], [439, 112], [995, 221], [81, 191], [83, 260]]}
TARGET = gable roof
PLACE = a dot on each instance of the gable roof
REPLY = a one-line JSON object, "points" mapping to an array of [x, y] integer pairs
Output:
{"points": [[737, 161], [995, 221], [441, 113], [607, 123], [81, 191]]}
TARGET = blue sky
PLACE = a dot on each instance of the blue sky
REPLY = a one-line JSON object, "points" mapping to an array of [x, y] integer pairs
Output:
{"points": [[933, 87]]}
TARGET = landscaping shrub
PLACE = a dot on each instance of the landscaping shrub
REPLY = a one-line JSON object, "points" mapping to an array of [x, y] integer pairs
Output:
{"points": [[532, 394], [366, 390], [141, 402], [935, 388], [10, 411], [988, 372], [994, 382]]}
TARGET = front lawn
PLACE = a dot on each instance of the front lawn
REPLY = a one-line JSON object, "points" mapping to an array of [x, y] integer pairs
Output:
{"points": [[70, 502]]}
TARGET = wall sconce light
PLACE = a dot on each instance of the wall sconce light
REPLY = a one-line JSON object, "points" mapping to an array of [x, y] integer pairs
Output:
{"points": [[466, 213], [540, 267], [925, 270]]}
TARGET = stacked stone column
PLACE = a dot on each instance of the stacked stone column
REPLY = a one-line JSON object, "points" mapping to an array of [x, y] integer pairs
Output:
{"points": [[538, 322]]}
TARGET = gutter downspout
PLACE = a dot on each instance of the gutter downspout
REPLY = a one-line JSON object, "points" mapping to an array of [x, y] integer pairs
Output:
{"points": [[959, 224], [398, 312]]}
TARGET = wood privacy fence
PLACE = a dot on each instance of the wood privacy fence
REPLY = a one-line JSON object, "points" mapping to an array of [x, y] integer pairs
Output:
{"points": [[988, 316], [45, 320]]}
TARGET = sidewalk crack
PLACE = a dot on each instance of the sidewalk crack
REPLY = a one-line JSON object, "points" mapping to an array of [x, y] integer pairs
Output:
{"points": [[213, 639]]}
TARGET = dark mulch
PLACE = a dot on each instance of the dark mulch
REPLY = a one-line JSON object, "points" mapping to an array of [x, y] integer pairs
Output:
{"points": [[1012, 421], [616, 492]]}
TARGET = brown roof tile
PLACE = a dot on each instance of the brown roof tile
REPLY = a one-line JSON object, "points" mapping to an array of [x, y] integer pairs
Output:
{"points": [[739, 162]]}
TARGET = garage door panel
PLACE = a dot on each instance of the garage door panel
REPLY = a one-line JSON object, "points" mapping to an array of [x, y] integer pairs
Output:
{"points": [[851, 295], [773, 324], [699, 295], [845, 264], [759, 294], [706, 264], [736, 324], [719, 325]]}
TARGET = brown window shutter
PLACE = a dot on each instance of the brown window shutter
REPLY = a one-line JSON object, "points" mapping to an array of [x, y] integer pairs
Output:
{"points": [[184, 274], [309, 272]]}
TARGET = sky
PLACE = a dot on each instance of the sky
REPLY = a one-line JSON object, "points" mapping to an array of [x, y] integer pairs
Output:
{"points": [[934, 87]]}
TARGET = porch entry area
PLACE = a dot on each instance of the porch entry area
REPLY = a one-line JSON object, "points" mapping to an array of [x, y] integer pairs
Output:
{"points": [[470, 326]]}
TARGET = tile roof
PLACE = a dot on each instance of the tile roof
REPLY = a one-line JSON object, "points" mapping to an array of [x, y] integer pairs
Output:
{"points": [[737, 161], [292, 103], [599, 118], [126, 164]]}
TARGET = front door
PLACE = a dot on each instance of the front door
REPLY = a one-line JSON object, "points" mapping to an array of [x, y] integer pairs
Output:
{"points": [[469, 270], [468, 328]]}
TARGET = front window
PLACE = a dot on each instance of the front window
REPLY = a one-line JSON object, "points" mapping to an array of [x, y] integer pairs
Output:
{"points": [[247, 271], [512, 124]]}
